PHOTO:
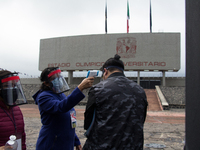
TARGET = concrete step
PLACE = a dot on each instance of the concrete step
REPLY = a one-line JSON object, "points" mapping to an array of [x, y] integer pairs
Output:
{"points": [[153, 100]]}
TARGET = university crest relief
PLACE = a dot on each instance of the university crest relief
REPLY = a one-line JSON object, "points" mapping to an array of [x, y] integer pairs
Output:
{"points": [[126, 47]]}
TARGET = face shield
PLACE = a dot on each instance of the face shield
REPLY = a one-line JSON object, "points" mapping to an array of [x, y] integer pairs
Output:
{"points": [[11, 91], [59, 83]]}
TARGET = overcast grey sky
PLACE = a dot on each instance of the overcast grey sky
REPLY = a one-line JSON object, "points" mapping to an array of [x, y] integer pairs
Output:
{"points": [[24, 22]]}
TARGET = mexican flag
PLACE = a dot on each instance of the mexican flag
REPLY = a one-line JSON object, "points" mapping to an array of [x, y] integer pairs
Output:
{"points": [[128, 17]]}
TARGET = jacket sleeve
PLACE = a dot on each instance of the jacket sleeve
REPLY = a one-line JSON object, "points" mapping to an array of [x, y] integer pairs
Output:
{"points": [[23, 141], [76, 141], [48, 103], [90, 107], [145, 109]]}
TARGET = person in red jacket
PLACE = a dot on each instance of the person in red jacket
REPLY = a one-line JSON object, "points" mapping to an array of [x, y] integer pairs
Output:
{"points": [[11, 118]]}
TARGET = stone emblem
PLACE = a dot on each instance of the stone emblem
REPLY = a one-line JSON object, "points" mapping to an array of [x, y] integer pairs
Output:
{"points": [[126, 47]]}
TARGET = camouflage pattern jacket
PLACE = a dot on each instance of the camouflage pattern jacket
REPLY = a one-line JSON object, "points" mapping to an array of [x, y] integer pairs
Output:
{"points": [[120, 107]]}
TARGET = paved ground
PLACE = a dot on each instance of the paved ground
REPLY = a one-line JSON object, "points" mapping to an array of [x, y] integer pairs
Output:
{"points": [[162, 128]]}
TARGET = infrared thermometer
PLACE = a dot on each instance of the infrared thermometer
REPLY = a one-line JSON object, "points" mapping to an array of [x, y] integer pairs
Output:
{"points": [[92, 73]]}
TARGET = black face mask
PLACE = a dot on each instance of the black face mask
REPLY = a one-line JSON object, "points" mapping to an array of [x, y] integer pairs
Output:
{"points": [[5, 95]]}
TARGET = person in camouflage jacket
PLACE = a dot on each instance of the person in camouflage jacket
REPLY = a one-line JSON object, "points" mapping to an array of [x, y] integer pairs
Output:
{"points": [[115, 112]]}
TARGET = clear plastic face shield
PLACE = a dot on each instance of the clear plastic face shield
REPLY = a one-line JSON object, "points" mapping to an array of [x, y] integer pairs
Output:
{"points": [[11, 91], [59, 83]]}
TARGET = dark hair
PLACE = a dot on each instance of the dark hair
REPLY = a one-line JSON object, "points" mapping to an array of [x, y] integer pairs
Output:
{"points": [[44, 78], [4, 73], [113, 63]]}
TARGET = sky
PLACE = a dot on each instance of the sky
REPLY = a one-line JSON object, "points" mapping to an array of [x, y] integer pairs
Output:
{"points": [[24, 22]]}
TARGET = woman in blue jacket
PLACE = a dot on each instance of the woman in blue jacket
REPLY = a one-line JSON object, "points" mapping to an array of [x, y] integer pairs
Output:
{"points": [[58, 116]]}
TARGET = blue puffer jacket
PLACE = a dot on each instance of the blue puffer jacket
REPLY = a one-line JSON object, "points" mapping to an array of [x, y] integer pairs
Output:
{"points": [[57, 132]]}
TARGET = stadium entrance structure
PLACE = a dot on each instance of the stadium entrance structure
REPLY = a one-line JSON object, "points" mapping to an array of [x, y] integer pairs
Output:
{"points": [[139, 52]]}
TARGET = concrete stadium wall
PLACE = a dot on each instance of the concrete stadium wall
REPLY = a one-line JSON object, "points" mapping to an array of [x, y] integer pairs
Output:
{"points": [[173, 81], [32, 85], [170, 81], [175, 96]]}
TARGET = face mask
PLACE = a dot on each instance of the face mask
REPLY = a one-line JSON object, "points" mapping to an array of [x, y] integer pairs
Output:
{"points": [[11, 91], [57, 85], [9, 95]]}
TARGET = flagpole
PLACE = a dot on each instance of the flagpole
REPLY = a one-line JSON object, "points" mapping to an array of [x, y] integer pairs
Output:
{"points": [[128, 17], [150, 19], [106, 18]]}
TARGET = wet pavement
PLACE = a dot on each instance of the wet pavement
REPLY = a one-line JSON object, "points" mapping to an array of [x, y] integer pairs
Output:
{"points": [[162, 128]]}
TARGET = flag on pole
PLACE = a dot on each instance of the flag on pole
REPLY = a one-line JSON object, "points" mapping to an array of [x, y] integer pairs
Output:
{"points": [[106, 18], [150, 19], [128, 17]]}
